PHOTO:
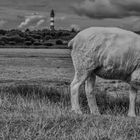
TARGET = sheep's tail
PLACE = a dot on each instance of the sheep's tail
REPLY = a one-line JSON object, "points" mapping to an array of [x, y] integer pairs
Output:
{"points": [[70, 44]]}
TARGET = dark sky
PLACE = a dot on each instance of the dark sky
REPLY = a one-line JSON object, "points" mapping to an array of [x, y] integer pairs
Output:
{"points": [[34, 14]]}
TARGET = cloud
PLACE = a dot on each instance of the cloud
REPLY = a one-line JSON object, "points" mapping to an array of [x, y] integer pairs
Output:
{"points": [[75, 27], [60, 18], [38, 24], [33, 20], [100, 9]]}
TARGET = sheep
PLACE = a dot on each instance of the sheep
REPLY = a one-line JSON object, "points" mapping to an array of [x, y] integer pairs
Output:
{"points": [[107, 52]]}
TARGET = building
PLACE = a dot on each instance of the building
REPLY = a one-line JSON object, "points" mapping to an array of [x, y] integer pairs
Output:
{"points": [[52, 15]]}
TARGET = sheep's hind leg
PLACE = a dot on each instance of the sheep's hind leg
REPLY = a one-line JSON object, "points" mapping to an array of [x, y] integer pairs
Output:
{"points": [[89, 85], [132, 101], [75, 85], [135, 86]]}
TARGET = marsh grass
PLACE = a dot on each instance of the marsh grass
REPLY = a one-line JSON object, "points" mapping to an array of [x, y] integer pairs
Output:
{"points": [[38, 112]]}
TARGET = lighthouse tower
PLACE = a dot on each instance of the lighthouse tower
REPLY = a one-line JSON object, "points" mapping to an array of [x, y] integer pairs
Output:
{"points": [[52, 15]]}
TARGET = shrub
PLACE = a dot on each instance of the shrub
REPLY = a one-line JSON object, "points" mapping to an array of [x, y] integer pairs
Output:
{"points": [[59, 34], [3, 32], [4, 39], [66, 34], [28, 43], [27, 30], [65, 42], [53, 34], [12, 43], [16, 39], [14, 32], [2, 43], [73, 30], [67, 38], [29, 38], [35, 36], [48, 37], [59, 42], [37, 43], [48, 44]]}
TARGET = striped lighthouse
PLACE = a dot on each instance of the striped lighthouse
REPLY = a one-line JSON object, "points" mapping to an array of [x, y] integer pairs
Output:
{"points": [[52, 15]]}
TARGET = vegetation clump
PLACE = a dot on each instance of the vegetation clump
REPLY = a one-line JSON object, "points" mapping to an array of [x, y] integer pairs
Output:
{"points": [[38, 112], [35, 38], [59, 42]]}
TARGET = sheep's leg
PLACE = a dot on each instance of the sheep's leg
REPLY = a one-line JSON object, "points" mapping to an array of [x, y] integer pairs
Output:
{"points": [[135, 85], [89, 85], [132, 100], [75, 85]]}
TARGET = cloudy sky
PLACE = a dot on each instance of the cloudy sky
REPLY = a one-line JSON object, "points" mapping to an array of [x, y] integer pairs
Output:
{"points": [[34, 14]]}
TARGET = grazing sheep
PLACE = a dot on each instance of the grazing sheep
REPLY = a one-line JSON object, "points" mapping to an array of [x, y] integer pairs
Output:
{"points": [[109, 53]]}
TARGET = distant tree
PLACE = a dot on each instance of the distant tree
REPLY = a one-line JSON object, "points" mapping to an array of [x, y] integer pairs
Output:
{"points": [[36, 36], [48, 44], [28, 43], [59, 42], [2, 43], [73, 30], [27, 30], [4, 39], [37, 43], [12, 43], [66, 33], [3, 32], [53, 34], [47, 37], [65, 42], [59, 33], [17, 39], [29, 38]]}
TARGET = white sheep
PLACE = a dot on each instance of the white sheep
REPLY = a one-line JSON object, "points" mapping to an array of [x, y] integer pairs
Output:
{"points": [[109, 53]]}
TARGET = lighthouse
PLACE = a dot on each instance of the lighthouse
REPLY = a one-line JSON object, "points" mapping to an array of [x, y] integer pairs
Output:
{"points": [[52, 15]]}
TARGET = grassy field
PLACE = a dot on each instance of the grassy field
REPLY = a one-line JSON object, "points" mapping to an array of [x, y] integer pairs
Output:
{"points": [[35, 101], [34, 65]]}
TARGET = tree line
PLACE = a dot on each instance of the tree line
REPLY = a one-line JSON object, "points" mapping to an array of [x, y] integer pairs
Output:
{"points": [[43, 37]]}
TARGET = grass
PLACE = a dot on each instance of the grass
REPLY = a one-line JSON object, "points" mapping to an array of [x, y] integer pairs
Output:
{"points": [[35, 101], [38, 112], [35, 65], [54, 46]]}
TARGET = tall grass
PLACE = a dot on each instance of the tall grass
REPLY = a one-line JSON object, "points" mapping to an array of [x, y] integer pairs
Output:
{"points": [[39, 112]]}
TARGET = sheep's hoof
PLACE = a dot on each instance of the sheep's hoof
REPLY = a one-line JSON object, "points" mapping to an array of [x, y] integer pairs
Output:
{"points": [[77, 111], [95, 112], [131, 114]]}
